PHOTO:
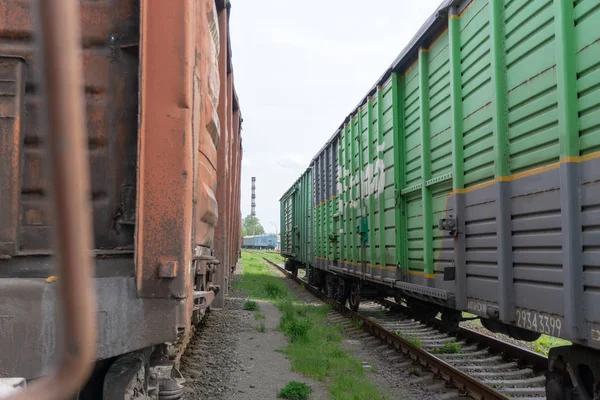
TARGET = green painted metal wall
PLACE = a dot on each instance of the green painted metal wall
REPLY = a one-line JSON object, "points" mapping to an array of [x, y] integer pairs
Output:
{"points": [[511, 88], [296, 209]]}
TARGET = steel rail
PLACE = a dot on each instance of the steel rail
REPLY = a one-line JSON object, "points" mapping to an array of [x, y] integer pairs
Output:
{"points": [[440, 369], [62, 78], [524, 356]]}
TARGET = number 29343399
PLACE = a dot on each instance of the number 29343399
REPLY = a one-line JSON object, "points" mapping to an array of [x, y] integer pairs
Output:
{"points": [[535, 321]]}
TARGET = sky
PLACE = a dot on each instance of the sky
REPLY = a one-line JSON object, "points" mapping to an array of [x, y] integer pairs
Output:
{"points": [[300, 67]]}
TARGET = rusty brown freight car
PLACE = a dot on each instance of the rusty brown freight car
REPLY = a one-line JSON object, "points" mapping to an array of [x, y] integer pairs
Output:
{"points": [[164, 142]]}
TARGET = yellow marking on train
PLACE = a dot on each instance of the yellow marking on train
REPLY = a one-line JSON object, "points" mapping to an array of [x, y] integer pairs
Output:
{"points": [[531, 172], [423, 274], [466, 8], [436, 40], [409, 68]]}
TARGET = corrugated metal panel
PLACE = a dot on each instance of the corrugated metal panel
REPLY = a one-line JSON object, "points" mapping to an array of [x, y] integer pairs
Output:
{"points": [[494, 122]]}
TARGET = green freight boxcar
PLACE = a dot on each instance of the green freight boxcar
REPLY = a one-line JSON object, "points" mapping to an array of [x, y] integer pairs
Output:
{"points": [[468, 178], [296, 224]]}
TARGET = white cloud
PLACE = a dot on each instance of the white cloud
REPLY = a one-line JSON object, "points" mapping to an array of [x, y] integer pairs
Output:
{"points": [[300, 68], [288, 160]]}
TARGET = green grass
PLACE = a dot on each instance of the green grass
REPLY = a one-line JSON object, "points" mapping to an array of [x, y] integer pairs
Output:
{"points": [[274, 256], [251, 306], [413, 340], [259, 281], [295, 391], [448, 348], [545, 343], [258, 316], [541, 346], [314, 348]]}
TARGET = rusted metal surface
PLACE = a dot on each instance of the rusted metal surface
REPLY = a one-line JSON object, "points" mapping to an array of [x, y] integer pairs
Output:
{"points": [[159, 63], [62, 77], [221, 248], [12, 99], [110, 61]]}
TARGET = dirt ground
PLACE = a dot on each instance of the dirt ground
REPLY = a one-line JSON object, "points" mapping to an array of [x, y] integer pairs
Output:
{"points": [[263, 369], [229, 358]]}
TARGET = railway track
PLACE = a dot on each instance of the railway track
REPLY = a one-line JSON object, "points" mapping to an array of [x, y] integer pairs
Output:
{"points": [[477, 365]]}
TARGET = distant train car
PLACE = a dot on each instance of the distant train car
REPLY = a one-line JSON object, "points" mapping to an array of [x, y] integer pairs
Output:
{"points": [[296, 211], [468, 179], [163, 130], [262, 242]]}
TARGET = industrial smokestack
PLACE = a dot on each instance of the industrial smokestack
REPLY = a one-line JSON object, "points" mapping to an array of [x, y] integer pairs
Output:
{"points": [[253, 204]]}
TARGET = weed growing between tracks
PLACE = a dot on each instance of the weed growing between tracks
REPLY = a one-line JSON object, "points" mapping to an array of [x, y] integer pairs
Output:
{"points": [[295, 391], [314, 348], [250, 306]]}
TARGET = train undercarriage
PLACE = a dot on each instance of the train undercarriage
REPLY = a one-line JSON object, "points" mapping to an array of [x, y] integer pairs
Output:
{"points": [[573, 370]]}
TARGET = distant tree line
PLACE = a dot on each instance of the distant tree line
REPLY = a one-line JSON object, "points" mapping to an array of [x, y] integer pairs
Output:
{"points": [[251, 226]]}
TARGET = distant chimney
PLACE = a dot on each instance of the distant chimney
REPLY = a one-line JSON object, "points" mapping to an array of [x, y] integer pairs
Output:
{"points": [[253, 204]]}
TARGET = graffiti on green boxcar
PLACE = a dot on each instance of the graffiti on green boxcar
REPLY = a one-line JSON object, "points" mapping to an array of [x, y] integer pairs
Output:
{"points": [[372, 178]]}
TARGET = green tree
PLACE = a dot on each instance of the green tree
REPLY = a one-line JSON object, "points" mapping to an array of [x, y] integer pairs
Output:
{"points": [[251, 226]]}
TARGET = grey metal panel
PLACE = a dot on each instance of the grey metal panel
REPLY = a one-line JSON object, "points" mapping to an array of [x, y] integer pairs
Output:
{"points": [[482, 288], [487, 242], [550, 221], [539, 297], [479, 212], [482, 270], [481, 197], [316, 181], [484, 227], [335, 165], [590, 172], [591, 217], [591, 299], [448, 243], [533, 273], [590, 194], [441, 265], [591, 258], [327, 165], [490, 256], [592, 278], [416, 279], [591, 238], [422, 289], [444, 255], [538, 239], [448, 286], [505, 246], [570, 201], [542, 201], [536, 183], [323, 178], [545, 257], [125, 322]]}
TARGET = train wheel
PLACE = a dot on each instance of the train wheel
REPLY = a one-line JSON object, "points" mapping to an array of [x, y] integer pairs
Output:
{"points": [[558, 387], [451, 319], [343, 291], [126, 379], [398, 299], [329, 286], [354, 298]]}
